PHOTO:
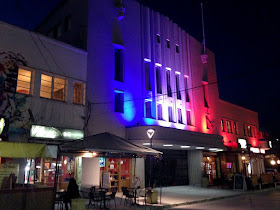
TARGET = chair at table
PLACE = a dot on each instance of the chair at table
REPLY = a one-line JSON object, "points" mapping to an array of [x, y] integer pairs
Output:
{"points": [[110, 197], [95, 198], [128, 196]]}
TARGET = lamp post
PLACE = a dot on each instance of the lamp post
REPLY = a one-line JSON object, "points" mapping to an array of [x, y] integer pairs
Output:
{"points": [[150, 133]]}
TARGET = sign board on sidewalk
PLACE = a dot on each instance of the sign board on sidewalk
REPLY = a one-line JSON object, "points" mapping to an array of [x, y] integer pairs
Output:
{"points": [[7, 169], [239, 182], [105, 180]]}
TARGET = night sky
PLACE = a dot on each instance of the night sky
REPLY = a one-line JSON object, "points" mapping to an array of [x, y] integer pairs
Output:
{"points": [[244, 35]]}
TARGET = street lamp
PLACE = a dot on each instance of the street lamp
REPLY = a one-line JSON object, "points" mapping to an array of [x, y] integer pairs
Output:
{"points": [[150, 133]]}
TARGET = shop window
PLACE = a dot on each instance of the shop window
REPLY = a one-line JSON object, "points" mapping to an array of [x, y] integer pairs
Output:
{"points": [[229, 128], [169, 90], [170, 114], [222, 125], [178, 93], [119, 101], [158, 77], [189, 119], [118, 64], [159, 112], [79, 93], [148, 76], [148, 109], [23, 81], [180, 118]]}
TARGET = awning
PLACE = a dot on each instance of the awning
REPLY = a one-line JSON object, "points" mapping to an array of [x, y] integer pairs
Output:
{"points": [[175, 137], [106, 142], [26, 150]]}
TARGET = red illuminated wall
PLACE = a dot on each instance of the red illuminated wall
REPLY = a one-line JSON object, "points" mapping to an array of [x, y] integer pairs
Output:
{"points": [[242, 116]]}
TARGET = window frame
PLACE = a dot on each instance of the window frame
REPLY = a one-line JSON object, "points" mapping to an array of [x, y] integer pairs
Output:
{"points": [[31, 83], [170, 114], [180, 116], [168, 83], [178, 92], [119, 101], [119, 64], [189, 117], [53, 76], [159, 112], [83, 92]]}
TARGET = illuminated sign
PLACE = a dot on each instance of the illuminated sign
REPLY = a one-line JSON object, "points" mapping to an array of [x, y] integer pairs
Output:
{"points": [[243, 143], [255, 150], [2, 125], [39, 131]]}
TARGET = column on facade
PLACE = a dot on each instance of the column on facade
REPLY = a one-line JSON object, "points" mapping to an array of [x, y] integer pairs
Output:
{"points": [[195, 167]]}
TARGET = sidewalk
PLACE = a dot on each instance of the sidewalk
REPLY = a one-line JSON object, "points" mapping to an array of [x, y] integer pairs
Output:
{"points": [[180, 195], [183, 195]]}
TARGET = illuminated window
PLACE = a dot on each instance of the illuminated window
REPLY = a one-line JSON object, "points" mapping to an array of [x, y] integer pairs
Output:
{"points": [[189, 119], [177, 48], [235, 127], [79, 93], [147, 77], [167, 43], [222, 125], [148, 109], [158, 38], [169, 90], [159, 112], [186, 89], [52, 87], [158, 78], [119, 101], [170, 114], [180, 118], [229, 128], [118, 64], [23, 81], [46, 86], [178, 93], [59, 89]]}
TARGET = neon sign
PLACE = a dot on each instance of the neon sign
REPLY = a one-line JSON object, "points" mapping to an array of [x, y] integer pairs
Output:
{"points": [[39, 131]]}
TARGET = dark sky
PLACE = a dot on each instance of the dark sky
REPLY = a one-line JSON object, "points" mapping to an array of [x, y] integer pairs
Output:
{"points": [[244, 35]]}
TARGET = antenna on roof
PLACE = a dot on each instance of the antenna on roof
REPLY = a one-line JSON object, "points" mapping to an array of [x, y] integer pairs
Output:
{"points": [[203, 54], [203, 33]]}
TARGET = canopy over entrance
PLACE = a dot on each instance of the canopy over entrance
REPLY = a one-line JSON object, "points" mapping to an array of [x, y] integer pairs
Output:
{"points": [[26, 150], [106, 142]]}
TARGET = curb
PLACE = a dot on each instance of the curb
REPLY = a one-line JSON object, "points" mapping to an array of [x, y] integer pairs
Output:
{"points": [[215, 198]]}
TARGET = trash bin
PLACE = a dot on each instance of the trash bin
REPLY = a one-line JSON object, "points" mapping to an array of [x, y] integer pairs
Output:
{"points": [[78, 204], [152, 197]]}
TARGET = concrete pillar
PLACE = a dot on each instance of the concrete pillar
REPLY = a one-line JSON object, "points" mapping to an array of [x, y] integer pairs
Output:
{"points": [[195, 167]]}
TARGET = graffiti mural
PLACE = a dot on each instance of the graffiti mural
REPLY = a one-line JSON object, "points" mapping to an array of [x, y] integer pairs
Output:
{"points": [[13, 106]]}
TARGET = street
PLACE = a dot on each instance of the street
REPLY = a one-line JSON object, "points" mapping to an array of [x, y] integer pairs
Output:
{"points": [[262, 200]]}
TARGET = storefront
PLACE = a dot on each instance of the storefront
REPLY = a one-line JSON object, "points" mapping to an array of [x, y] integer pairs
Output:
{"points": [[106, 155]]}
